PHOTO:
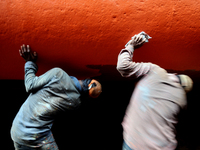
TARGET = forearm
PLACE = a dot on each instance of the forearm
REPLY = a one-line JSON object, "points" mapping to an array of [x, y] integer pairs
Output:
{"points": [[33, 82], [125, 65], [129, 68], [30, 71], [124, 60]]}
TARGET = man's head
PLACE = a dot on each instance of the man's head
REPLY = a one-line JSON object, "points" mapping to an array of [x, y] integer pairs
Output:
{"points": [[186, 82], [91, 87], [94, 89]]}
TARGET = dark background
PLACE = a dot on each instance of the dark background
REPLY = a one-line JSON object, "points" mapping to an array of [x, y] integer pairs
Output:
{"points": [[96, 125]]}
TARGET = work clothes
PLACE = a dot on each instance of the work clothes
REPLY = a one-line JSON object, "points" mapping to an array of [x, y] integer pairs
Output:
{"points": [[51, 93], [47, 146], [150, 118]]}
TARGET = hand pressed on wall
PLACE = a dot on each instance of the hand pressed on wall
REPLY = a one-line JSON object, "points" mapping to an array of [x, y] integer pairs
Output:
{"points": [[26, 53]]}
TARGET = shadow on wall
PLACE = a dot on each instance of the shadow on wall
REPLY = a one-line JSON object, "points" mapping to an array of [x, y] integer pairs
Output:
{"points": [[109, 72], [97, 123]]}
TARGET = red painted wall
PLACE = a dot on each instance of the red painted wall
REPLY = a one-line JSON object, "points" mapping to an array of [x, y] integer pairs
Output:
{"points": [[72, 34]]}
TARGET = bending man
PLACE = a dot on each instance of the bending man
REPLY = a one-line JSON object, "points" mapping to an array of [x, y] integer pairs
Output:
{"points": [[151, 115], [51, 93]]}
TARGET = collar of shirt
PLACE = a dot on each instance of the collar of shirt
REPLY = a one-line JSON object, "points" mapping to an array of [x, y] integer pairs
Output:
{"points": [[76, 82]]}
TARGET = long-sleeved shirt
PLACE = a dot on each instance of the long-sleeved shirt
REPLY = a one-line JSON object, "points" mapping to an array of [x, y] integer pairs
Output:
{"points": [[150, 118], [51, 93]]}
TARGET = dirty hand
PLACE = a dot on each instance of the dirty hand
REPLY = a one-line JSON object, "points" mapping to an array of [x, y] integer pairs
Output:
{"points": [[137, 40], [27, 54]]}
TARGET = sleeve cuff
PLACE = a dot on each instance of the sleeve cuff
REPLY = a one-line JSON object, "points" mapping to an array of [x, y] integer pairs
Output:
{"points": [[130, 48], [31, 65]]}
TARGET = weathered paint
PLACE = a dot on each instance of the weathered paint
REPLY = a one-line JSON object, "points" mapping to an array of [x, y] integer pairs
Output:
{"points": [[74, 34]]}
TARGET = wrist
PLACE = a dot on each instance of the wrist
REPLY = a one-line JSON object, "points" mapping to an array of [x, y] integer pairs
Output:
{"points": [[130, 47], [31, 64]]}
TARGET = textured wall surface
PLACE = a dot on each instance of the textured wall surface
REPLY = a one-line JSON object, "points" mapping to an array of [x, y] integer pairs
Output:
{"points": [[75, 34]]}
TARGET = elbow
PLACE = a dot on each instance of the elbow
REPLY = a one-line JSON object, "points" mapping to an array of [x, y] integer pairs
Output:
{"points": [[28, 89], [120, 66], [28, 86], [121, 70]]}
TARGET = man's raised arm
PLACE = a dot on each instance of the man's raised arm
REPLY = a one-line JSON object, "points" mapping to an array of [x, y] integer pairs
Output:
{"points": [[32, 82], [126, 66]]}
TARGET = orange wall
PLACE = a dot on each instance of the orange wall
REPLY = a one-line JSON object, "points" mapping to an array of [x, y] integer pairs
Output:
{"points": [[72, 34]]}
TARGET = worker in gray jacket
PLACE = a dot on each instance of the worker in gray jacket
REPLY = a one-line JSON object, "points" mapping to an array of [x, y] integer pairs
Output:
{"points": [[51, 93]]}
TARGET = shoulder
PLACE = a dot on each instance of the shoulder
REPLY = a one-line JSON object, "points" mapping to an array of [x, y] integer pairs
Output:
{"points": [[57, 72], [56, 69], [157, 71]]}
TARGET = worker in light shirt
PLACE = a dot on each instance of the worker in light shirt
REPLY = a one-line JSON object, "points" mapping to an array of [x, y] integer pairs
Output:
{"points": [[150, 118]]}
